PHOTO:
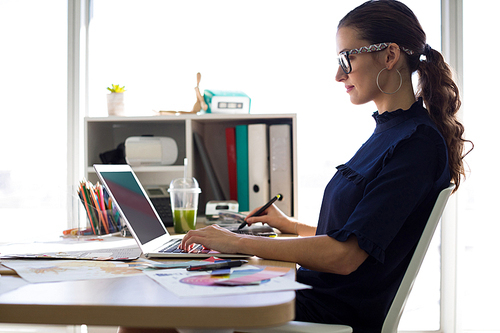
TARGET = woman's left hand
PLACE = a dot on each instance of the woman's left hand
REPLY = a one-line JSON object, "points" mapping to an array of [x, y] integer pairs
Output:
{"points": [[214, 238]]}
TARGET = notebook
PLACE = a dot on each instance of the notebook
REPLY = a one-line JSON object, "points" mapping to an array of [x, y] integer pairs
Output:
{"points": [[141, 217]]}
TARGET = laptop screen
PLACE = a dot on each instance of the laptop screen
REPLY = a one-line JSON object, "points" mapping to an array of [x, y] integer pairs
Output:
{"points": [[135, 206]]}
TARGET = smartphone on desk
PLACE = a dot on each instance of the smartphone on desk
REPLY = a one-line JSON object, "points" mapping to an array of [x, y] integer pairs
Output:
{"points": [[160, 198]]}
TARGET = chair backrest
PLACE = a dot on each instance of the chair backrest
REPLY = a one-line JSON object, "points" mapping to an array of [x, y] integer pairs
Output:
{"points": [[391, 321]]}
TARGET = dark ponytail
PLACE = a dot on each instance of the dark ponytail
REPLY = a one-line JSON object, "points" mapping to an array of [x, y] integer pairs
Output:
{"points": [[442, 100], [380, 21]]}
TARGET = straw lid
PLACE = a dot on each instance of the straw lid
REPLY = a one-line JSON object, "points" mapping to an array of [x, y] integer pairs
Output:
{"points": [[185, 184]]}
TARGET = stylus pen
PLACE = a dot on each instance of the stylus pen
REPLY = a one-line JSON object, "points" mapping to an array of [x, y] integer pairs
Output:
{"points": [[211, 267], [262, 209]]}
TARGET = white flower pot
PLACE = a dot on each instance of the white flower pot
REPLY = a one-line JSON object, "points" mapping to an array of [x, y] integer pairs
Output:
{"points": [[116, 105]]}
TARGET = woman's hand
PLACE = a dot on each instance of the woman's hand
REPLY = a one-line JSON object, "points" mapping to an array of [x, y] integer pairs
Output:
{"points": [[214, 238], [275, 218]]}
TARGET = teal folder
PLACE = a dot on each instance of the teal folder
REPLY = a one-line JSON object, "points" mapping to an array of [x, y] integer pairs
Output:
{"points": [[241, 132]]}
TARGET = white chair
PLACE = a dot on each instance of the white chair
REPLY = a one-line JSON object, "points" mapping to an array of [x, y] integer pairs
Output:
{"points": [[391, 321]]}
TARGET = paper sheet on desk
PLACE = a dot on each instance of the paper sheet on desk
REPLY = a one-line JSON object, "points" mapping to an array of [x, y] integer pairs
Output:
{"points": [[198, 284], [36, 271], [9, 283]]}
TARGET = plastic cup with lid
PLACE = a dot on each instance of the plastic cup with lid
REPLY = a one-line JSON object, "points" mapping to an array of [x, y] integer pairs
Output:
{"points": [[184, 195]]}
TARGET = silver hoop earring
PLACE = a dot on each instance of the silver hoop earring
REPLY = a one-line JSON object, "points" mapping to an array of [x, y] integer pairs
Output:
{"points": [[400, 82]]}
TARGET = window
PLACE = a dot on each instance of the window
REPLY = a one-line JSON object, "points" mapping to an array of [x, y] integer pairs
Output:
{"points": [[281, 53], [478, 223], [33, 189]]}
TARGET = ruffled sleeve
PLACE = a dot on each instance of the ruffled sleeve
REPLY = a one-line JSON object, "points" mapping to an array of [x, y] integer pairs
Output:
{"points": [[350, 174], [364, 243]]}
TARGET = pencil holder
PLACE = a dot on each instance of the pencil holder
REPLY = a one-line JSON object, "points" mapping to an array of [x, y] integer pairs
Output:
{"points": [[101, 214]]}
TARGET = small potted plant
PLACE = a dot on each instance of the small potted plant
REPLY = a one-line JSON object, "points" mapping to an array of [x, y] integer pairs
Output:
{"points": [[116, 105]]}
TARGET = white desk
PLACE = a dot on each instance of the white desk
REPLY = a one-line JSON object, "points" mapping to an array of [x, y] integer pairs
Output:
{"points": [[138, 301]]}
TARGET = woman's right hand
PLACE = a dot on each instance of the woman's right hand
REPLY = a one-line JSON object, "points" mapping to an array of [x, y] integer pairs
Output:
{"points": [[275, 218]]}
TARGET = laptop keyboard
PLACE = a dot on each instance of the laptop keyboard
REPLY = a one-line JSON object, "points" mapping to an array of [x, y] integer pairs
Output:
{"points": [[173, 247]]}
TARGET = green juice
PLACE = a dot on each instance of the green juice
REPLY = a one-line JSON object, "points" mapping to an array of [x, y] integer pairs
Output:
{"points": [[184, 220]]}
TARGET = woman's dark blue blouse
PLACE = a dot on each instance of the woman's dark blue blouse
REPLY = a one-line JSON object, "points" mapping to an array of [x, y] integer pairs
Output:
{"points": [[383, 196]]}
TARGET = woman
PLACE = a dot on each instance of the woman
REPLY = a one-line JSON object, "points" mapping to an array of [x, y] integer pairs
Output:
{"points": [[375, 207]]}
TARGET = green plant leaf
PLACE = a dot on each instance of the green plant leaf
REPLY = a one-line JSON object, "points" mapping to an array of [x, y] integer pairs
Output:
{"points": [[115, 88]]}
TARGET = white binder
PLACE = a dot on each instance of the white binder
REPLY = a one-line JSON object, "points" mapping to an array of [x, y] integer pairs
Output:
{"points": [[258, 165], [280, 162]]}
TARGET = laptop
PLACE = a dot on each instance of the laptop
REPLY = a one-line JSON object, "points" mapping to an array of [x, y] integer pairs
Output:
{"points": [[141, 218]]}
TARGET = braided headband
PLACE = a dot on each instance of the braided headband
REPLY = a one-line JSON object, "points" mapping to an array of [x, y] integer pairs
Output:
{"points": [[378, 47]]}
